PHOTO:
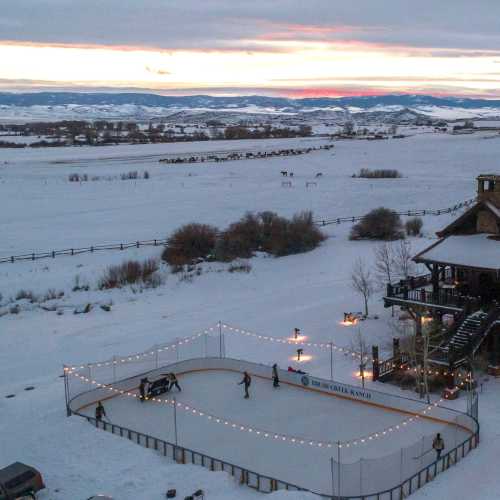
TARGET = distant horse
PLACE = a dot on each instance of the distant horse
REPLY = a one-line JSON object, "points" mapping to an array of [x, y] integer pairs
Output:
{"points": [[284, 173]]}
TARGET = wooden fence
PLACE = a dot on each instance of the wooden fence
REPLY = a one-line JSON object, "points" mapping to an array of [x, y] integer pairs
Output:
{"points": [[52, 254]]}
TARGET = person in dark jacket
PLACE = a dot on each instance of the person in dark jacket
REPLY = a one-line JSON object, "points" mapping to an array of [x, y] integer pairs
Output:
{"points": [[173, 381], [438, 445], [142, 388], [100, 412], [247, 380], [276, 379]]}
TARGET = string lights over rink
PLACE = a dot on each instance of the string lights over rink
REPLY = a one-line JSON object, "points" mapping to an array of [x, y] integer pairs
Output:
{"points": [[297, 440], [138, 357], [300, 340]]}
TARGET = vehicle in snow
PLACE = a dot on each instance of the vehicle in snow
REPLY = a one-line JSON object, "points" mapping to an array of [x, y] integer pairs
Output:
{"points": [[18, 481], [157, 387]]}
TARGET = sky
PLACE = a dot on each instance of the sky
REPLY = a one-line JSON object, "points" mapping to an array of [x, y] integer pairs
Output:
{"points": [[293, 48]]}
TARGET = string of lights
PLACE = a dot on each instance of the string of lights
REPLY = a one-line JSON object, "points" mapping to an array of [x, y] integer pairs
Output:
{"points": [[265, 433], [292, 341], [278, 340], [328, 345], [136, 357]]}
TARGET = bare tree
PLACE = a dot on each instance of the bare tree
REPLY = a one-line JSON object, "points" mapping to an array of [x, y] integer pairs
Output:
{"points": [[403, 262], [358, 346], [384, 263], [362, 281]]}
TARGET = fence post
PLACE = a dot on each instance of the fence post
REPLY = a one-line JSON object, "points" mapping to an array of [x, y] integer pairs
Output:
{"points": [[66, 391], [220, 339], [376, 365]]}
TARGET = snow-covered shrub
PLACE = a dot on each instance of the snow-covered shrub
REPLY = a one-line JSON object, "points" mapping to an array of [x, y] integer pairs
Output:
{"points": [[190, 243], [78, 285], [379, 224], [414, 226], [128, 273], [241, 267], [53, 294], [26, 295]]}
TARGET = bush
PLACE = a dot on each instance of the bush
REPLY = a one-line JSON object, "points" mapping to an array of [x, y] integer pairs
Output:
{"points": [[381, 173], [266, 232], [130, 272], [240, 240], [53, 294], [189, 244], [286, 237], [26, 295], [242, 267], [379, 224], [414, 226], [133, 174]]}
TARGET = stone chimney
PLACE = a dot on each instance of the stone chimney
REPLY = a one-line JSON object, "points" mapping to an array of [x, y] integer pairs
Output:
{"points": [[488, 188]]}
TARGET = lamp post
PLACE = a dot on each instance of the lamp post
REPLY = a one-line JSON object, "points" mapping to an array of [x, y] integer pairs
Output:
{"points": [[299, 353]]}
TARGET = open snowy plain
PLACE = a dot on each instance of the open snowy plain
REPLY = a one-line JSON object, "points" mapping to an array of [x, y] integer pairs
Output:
{"points": [[41, 210]]}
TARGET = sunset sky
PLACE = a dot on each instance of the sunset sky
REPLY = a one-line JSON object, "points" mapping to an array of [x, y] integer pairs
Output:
{"points": [[275, 47]]}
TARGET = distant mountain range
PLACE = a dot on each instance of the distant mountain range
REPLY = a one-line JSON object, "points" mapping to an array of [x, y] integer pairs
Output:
{"points": [[216, 102], [90, 105]]}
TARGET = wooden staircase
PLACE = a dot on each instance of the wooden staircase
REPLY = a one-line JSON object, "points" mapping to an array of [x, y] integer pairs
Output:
{"points": [[465, 339]]}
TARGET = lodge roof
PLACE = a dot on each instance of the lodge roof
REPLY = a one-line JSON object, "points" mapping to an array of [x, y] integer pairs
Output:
{"points": [[476, 251], [485, 204]]}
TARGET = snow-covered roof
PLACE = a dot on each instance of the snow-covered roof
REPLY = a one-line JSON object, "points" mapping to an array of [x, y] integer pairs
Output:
{"points": [[475, 250]]}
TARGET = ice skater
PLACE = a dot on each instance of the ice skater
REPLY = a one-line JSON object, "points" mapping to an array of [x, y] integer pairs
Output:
{"points": [[438, 445], [100, 412], [276, 379], [173, 381], [142, 388], [247, 380]]}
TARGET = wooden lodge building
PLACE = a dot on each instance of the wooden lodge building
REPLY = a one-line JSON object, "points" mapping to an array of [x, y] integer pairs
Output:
{"points": [[462, 285]]}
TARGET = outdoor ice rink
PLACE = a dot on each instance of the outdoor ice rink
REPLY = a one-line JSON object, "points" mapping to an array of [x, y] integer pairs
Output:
{"points": [[287, 410]]}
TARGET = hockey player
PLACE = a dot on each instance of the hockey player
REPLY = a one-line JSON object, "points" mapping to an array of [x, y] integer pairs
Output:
{"points": [[276, 379], [247, 380]]}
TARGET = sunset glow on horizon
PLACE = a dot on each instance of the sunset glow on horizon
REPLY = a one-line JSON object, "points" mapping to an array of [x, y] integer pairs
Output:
{"points": [[305, 69], [234, 50]]}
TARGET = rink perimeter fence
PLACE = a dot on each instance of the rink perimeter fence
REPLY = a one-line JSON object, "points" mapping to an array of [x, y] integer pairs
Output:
{"points": [[392, 476], [52, 254]]}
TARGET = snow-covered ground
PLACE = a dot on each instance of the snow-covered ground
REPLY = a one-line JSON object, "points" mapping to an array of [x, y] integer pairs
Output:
{"points": [[41, 210]]}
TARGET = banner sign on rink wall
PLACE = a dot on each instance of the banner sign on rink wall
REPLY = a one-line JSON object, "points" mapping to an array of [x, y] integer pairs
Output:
{"points": [[335, 388]]}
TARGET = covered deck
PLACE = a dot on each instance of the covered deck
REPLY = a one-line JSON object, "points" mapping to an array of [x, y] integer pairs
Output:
{"points": [[464, 275]]}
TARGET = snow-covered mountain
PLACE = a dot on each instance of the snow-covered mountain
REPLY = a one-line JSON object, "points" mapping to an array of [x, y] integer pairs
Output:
{"points": [[74, 105]]}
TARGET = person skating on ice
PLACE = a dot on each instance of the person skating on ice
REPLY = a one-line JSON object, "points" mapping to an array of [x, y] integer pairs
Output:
{"points": [[276, 379], [247, 380]]}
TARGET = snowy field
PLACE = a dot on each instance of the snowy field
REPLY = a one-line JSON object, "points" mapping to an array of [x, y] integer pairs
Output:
{"points": [[41, 210]]}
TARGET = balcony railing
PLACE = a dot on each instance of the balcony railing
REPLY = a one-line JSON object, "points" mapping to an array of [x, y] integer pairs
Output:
{"points": [[417, 290]]}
